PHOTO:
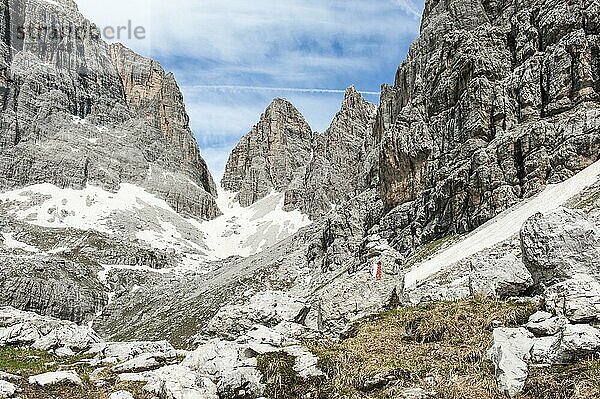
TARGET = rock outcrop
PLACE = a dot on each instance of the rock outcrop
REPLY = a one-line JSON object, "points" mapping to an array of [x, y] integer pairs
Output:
{"points": [[544, 341], [339, 169], [28, 329], [315, 171], [495, 100], [267, 157], [72, 116]]}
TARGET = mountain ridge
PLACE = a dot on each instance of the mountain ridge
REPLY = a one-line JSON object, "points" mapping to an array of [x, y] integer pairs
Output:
{"points": [[496, 102]]}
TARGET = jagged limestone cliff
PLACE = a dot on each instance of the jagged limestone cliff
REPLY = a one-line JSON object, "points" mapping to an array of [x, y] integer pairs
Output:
{"points": [[78, 112], [315, 171], [495, 100]]}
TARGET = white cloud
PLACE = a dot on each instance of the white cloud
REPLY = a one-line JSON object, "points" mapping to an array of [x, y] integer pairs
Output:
{"points": [[237, 89]]}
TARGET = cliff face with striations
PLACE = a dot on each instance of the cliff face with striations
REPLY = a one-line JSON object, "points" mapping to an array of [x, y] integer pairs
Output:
{"points": [[76, 111], [495, 100], [154, 96], [334, 174], [106, 122], [267, 157], [315, 171]]}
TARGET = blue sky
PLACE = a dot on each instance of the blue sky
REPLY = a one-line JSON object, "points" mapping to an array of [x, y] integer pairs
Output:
{"points": [[230, 56]]}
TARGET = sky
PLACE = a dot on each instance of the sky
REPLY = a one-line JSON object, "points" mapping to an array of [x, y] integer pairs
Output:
{"points": [[232, 57]]}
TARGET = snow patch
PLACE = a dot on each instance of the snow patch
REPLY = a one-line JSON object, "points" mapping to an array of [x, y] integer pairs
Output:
{"points": [[87, 209], [506, 224], [247, 231], [11, 243], [239, 232]]}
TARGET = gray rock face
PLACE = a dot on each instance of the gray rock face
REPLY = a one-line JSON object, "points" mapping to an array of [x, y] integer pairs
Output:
{"points": [[561, 250], [316, 171], [71, 117], [55, 287], [267, 157], [495, 100], [44, 333], [339, 169], [61, 277], [154, 95], [561, 245]]}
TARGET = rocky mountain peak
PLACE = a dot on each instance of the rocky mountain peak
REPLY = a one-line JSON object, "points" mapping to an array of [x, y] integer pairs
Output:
{"points": [[267, 157], [352, 97], [154, 95], [78, 111], [321, 170]]}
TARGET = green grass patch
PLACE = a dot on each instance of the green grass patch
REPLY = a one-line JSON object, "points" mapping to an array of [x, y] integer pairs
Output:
{"points": [[445, 342], [283, 382], [26, 362]]}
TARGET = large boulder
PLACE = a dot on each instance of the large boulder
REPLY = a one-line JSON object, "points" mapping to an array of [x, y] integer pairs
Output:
{"points": [[572, 343], [144, 362], [510, 349], [544, 324], [44, 333], [561, 245], [175, 382], [231, 365]]}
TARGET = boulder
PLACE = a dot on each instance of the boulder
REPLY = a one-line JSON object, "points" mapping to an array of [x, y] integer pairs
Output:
{"points": [[573, 343], [56, 378], [577, 298], [7, 389], [580, 341], [560, 245], [306, 363], [543, 326], [545, 350], [179, 382], [144, 362], [267, 308], [510, 349], [230, 364], [502, 277]]}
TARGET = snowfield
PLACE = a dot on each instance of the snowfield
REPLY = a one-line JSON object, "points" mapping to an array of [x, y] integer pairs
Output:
{"points": [[138, 214], [247, 231], [506, 224]]}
